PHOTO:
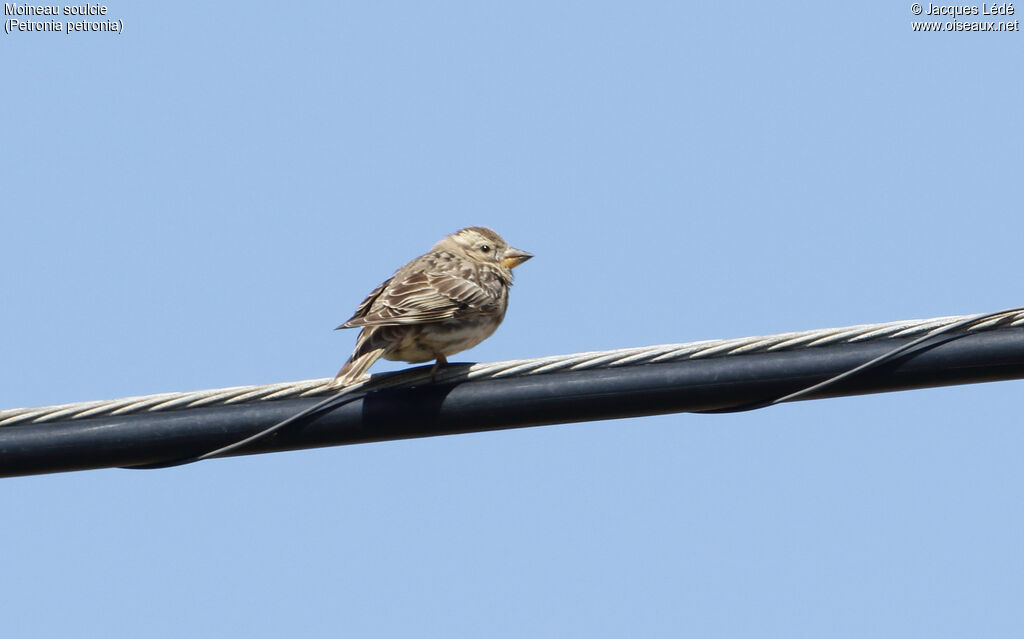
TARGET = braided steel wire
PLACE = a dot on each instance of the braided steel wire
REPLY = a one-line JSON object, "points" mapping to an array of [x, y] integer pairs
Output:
{"points": [[635, 356]]}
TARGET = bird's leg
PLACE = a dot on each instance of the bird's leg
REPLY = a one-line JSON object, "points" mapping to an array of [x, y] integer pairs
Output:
{"points": [[441, 361]]}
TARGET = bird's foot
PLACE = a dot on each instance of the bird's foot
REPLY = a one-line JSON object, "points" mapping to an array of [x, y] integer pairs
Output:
{"points": [[439, 364]]}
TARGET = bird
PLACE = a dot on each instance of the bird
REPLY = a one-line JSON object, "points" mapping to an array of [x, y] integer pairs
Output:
{"points": [[445, 301]]}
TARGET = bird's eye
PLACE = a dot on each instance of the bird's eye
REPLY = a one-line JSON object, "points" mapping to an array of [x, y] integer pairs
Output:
{"points": [[486, 248]]}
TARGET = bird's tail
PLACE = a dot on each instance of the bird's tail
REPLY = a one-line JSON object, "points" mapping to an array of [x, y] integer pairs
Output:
{"points": [[362, 359]]}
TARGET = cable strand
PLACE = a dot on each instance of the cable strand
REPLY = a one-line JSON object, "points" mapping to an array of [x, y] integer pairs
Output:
{"points": [[538, 366]]}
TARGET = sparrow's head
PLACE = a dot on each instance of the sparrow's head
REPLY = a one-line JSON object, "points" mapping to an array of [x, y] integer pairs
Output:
{"points": [[483, 245]]}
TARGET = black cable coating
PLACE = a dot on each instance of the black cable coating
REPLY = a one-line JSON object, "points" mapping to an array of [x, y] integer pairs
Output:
{"points": [[340, 398], [716, 384], [878, 361], [348, 395]]}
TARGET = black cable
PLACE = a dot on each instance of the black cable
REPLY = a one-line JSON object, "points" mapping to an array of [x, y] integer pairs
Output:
{"points": [[350, 395], [874, 363], [398, 409], [342, 397]]}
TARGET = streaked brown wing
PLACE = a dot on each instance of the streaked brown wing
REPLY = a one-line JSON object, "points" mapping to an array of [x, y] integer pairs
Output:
{"points": [[422, 297], [466, 293], [364, 307]]}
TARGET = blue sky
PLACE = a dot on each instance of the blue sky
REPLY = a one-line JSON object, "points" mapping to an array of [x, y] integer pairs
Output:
{"points": [[197, 202]]}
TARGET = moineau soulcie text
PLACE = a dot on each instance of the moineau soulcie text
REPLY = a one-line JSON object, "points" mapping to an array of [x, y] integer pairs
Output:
{"points": [[15, 9]]}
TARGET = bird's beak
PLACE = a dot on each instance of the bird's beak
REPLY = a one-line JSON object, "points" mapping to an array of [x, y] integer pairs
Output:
{"points": [[514, 257]]}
